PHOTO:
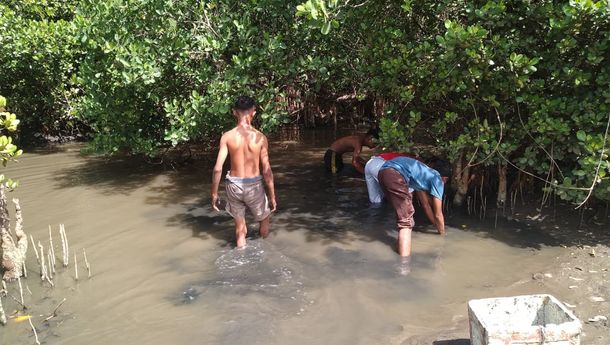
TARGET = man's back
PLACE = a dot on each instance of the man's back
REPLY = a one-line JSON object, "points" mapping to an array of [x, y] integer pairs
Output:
{"points": [[418, 175], [245, 144], [347, 144]]}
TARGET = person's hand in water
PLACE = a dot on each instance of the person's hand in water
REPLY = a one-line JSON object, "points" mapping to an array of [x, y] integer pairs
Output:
{"points": [[215, 202]]}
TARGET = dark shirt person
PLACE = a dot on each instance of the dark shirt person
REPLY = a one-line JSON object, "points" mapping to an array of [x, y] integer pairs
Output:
{"points": [[248, 150], [333, 159], [396, 176]]}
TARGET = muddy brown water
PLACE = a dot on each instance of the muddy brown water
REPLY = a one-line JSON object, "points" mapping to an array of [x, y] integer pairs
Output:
{"points": [[165, 271]]}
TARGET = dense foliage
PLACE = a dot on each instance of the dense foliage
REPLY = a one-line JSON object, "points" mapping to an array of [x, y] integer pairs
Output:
{"points": [[517, 83], [495, 85], [159, 72], [38, 61]]}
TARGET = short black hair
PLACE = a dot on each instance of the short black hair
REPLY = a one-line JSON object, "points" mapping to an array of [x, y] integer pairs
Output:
{"points": [[244, 103], [373, 132], [441, 165]]}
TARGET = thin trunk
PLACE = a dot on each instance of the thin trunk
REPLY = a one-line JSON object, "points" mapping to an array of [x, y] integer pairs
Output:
{"points": [[501, 201], [461, 178]]}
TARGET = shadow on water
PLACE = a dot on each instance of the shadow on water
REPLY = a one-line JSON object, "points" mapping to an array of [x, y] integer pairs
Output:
{"points": [[110, 176]]}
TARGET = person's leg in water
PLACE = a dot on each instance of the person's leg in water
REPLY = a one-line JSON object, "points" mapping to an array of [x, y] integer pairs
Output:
{"points": [[397, 192], [264, 227], [240, 231], [404, 241]]}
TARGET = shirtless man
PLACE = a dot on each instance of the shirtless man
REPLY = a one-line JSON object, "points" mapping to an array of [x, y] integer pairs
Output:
{"points": [[333, 159], [248, 149]]}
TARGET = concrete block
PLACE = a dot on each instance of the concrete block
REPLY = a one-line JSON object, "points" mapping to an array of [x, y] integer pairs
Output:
{"points": [[522, 320]]}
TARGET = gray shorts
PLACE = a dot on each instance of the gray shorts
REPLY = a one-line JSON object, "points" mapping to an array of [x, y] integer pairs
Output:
{"points": [[247, 192]]}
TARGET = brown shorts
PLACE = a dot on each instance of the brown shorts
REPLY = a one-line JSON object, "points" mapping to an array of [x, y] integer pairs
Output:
{"points": [[247, 192], [396, 190]]}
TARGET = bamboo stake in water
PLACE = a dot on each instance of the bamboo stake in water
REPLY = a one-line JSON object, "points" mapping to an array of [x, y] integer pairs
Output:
{"points": [[25, 270], [87, 264]]}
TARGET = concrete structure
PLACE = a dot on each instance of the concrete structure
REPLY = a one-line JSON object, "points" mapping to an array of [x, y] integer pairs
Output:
{"points": [[522, 320]]}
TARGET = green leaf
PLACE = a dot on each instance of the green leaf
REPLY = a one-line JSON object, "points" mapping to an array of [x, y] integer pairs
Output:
{"points": [[326, 28]]}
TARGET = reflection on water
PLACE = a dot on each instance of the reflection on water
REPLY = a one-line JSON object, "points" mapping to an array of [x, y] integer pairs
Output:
{"points": [[165, 271]]}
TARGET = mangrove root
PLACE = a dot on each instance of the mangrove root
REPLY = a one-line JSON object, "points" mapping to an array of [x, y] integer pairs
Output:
{"points": [[2, 313], [13, 250], [87, 264], [34, 330], [64, 245]]}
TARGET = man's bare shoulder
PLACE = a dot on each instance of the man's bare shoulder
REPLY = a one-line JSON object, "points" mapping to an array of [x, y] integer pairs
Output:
{"points": [[345, 144], [257, 135], [229, 134]]}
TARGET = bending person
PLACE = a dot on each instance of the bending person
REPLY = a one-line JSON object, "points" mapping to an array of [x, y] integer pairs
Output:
{"points": [[333, 158], [396, 176], [371, 171]]}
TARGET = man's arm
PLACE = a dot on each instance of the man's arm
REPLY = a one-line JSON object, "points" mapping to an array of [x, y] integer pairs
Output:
{"points": [[220, 161], [437, 206], [357, 161], [268, 174], [425, 202]]}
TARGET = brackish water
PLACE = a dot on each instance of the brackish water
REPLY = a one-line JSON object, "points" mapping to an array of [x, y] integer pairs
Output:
{"points": [[165, 271]]}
